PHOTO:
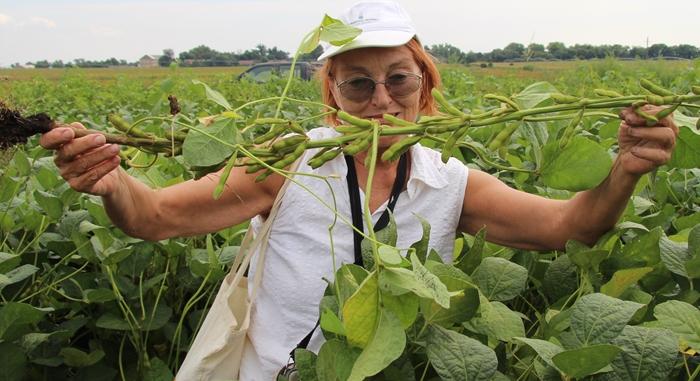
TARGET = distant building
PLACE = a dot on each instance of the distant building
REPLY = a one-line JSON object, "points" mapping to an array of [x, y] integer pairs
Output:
{"points": [[149, 60], [247, 62]]}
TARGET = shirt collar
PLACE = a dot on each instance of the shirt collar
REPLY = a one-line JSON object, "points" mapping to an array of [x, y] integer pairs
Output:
{"points": [[426, 168]]}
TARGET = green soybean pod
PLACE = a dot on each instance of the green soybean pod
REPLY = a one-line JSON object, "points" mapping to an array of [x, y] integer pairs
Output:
{"points": [[324, 158], [224, 175], [260, 121], [355, 121], [563, 98], [263, 176], [656, 100], [503, 99], [395, 150], [273, 133], [651, 119], [296, 127], [696, 90], [349, 129], [438, 129], [288, 142], [360, 144], [667, 111], [440, 99], [569, 131], [607, 93], [451, 141], [502, 136], [289, 159], [654, 88], [397, 121]]}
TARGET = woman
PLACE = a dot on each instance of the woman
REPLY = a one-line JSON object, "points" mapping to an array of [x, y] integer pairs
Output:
{"points": [[384, 70]]}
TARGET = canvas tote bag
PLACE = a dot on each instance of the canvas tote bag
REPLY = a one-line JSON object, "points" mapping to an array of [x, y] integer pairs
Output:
{"points": [[215, 354]]}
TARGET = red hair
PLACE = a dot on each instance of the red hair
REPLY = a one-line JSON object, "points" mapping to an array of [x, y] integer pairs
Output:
{"points": [[431, 80]]}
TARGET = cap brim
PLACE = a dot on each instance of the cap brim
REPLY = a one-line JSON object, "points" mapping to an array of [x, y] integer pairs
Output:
{"points": [[373, 39]]}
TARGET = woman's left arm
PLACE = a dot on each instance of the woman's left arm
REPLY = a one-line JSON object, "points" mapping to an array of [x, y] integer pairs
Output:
{"points": [[522, 220]]}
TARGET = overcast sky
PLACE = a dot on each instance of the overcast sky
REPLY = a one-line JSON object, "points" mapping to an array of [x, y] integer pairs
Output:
{"points": [[32, 30]]}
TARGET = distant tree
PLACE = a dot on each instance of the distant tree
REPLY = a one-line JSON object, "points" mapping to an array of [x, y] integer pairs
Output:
{"points": [[57, 64], [687, 51], [657, 50], [559, 50], [638, 52], [167, 58], [43, 64], [514, 50], [535, 51]]}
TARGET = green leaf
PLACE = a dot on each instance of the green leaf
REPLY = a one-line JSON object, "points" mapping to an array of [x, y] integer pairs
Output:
{"points": [[361, 312], [387, 344], [158, 371], [681, 318], [686, 154], [535, 94], [13, 362], [202, 151], [582, 165], [472, 258], [674, 256], [150, 323], [51, 204], [397, 281], [421, 246], [405, 307], [331, 323], [390, 255], [463, 307], [544, 349], [623, 279], [17, 275], [588, 259], [335, 360], [336, 33], [647, 354], [305, 362], [582, 362], [213, 95], [31, 341], [8, 188], [598, 318], [311, 41], [76, 358], [14, 314], [560, 278], [456, 357], [496, 321], [499, 279], [453, 278]]}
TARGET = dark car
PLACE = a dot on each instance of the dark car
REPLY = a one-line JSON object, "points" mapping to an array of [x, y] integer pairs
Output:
{"points": [[265, 71]]}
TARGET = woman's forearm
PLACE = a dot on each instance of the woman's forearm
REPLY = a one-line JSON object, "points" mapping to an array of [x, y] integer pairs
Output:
{"points": [[592, 213]]}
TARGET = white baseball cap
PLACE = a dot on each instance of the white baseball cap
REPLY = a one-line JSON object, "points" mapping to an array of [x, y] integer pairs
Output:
{"points": [[383, 24]]}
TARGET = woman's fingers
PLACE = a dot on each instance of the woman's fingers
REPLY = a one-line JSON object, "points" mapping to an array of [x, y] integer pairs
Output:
{"points": [[59, 135], [663, 136], [84, 162], [79, 146], [629, 116], [655, 155], [86, 181]]}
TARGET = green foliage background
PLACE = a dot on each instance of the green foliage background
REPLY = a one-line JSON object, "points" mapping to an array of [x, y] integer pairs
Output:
{"points": [[81, 300]]}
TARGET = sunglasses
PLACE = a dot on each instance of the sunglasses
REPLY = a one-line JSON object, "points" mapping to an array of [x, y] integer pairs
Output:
{"points": [[360, 89]]}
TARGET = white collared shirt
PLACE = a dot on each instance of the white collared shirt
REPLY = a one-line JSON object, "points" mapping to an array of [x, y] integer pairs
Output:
{"points": [[299, 255]]}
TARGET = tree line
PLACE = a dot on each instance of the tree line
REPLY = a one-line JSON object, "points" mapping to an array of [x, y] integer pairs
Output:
{"points": [[203, 55], [514, 51]]}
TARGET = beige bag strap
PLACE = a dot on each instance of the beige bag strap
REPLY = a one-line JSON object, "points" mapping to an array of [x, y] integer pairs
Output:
{"points": [[250, 244]]}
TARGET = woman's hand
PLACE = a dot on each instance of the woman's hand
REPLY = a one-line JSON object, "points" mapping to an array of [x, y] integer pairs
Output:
{"points": [[87, 163], [644, 148]]}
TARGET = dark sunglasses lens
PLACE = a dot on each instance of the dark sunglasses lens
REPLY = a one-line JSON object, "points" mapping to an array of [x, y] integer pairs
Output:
{"points": [[358, 89], [401, 85]]}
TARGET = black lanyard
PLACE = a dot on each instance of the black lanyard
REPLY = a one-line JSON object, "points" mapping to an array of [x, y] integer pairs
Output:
{"points": [[356, 205], [356, 210]]}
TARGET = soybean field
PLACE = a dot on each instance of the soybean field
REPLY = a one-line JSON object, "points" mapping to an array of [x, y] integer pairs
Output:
{"points": [[81, 300]]}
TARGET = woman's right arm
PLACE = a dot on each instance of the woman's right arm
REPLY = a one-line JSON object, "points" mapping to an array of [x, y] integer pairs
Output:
{"points": [[91, 166]]}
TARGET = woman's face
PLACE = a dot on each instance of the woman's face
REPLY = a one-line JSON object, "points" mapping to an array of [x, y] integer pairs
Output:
{"points": [[378, 64]]}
